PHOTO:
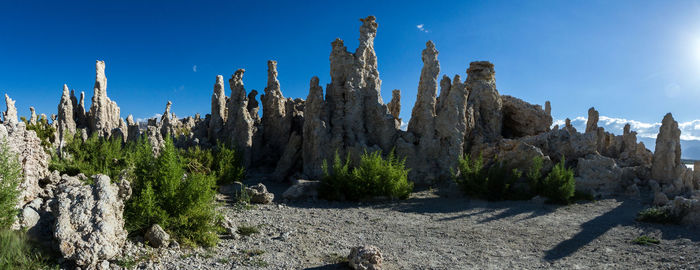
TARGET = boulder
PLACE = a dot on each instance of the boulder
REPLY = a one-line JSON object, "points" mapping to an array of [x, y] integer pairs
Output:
{"points": [[157, 237], [302, 189], [365, 258], [89, 224], [258, 194]]}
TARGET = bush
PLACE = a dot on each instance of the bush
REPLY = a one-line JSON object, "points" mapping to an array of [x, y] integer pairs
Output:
{"points": [[373, 177], [163, 195], [10, 177], [45, 132], [493, 183], [96, 155], [223, 162], [559, 185], [646, 240], [16, 252], [534, 176], [656, 215]]}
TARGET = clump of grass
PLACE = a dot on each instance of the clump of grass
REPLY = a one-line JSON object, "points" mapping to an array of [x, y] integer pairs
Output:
{"points": [[374, 176], [254, 252], [656, 215], [247, 230], [646, 240], [335, 258], [17, 252]]}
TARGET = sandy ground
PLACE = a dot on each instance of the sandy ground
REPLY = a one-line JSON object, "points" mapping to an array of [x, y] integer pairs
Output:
{"points": [[431, 232]]}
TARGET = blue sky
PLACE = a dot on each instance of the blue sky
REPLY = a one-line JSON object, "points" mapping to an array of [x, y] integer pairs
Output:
{"points": [[630, 59]]}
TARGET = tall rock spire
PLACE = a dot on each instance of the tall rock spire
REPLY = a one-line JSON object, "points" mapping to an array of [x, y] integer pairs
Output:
{"points": [[240, 126], [10, 115], [666, 165], [218, 109], [275, 117], [422, 121], [66, 122], [485, 102], [104, 113]]}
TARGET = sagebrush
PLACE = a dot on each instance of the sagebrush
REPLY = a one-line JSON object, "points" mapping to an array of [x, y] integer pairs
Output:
{"points": [[374, 176], [494, 182]]}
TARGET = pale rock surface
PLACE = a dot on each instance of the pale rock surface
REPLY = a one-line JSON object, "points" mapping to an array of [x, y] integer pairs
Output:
{"points": [[239, 124], [218, 109], [66, 122], [563, 143], [10, 115], [523, 119], [598, 176], [89, 221], [485, 102], [31, 156], [666, 165], [103, 116], [365, 258], [32, 118]]}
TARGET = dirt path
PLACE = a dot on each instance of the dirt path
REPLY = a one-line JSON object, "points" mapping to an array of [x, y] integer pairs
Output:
{"points": [[430, 232]]}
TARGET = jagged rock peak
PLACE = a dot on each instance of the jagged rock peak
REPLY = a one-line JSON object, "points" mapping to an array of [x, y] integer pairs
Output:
{"points": [[592, 123], [10, 115], [394, 105], [167, 114], [482, 71], [66, 122], [32, 117], [218, 109], [548, 108], [423, 114], [666, 165], [104, 113]]}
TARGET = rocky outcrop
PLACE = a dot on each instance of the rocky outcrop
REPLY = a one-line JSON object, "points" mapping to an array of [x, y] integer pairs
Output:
{"points": [[103, 116], [592, 122], [523, 119], [599, 176], [66, 114], [277, 123], [485, 103], [394, 105], [365, 258], [290, 160], [89, 220], [32, 117], [317, 130], [240, 127], [10, 115], [32, 157], [666, 166], [218, 109]]}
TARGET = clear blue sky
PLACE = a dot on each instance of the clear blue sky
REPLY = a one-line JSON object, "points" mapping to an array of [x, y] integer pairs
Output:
{"points": [[631, 59]]}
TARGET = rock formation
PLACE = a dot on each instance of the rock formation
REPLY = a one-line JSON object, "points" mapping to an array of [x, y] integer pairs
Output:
{"points": [[485, 103], [89, 223], [276, 121], [365, 258], [592, 122], [32, 118], [10, 115], [240, 127], [218, 109], [103, 116], [32, 157], [66, 121], [394, 105], [317, 129], [667, 165], [523, 119]]}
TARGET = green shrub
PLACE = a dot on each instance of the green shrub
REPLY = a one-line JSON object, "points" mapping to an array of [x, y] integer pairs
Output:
{"points": [[10, 177], [96, 155], [534, 175], [559, 185], [185, 206], [222, 161], [247, 230], [373, 177], [16, 252], [646, 240], [656, 215], [45, 132], [493, 183]]}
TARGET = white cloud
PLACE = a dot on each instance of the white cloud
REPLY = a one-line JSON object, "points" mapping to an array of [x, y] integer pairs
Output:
{"points": [[194, 68], [404, 125], [689, 130], [421, 27]]}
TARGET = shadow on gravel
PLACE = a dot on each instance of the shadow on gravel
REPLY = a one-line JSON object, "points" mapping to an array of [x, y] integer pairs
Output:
{"points": [[335, 266], [623, 215]]}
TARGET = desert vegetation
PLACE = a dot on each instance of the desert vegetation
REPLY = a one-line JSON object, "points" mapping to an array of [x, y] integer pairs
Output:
{"points": [[374, 176]]}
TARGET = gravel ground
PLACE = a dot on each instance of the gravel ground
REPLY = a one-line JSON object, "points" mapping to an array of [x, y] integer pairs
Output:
{"points": [[431, 232]]}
